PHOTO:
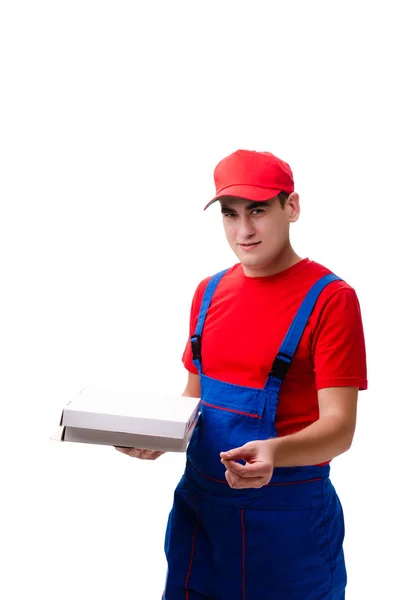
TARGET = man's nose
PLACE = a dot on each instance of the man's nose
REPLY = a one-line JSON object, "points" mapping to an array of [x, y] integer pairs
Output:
{"points": [[246, 228]]}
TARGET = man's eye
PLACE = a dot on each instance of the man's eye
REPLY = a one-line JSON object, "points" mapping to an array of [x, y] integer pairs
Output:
{"points": [[229, 215], [257, 211]]}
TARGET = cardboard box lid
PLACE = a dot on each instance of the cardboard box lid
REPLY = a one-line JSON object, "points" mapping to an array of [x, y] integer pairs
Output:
{"points": [[131, 412]]}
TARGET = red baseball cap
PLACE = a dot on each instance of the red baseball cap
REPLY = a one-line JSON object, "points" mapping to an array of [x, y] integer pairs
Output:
{"points": [[256, 176]]}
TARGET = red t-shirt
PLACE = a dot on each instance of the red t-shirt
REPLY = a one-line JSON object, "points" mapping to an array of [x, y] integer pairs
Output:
{"points": [[247, 321]]}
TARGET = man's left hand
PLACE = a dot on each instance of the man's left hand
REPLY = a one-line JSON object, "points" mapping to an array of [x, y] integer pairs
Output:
{"points": [[258, 468]]}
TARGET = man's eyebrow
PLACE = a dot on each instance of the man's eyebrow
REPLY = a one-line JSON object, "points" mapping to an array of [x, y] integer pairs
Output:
{"points": [[226, 209], [252, 205], [257, 204]]}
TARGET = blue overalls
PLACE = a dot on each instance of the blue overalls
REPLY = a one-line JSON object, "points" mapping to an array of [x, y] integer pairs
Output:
{"points": [[280, 542]]}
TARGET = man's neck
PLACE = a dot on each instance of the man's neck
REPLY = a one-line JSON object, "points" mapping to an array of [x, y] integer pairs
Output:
{"points": [[284, 261]]}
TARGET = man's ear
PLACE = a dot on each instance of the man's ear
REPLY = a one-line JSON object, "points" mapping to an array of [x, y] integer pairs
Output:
{"points": [[293, 206]]}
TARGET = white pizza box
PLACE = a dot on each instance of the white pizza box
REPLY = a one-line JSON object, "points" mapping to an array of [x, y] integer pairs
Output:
{"points": [[129, 419]]}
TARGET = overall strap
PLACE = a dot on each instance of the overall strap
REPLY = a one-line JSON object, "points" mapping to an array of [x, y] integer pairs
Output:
{"points": [[205, 303], [290, 343]]}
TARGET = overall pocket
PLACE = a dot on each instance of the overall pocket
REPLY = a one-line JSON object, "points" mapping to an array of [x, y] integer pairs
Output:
{"points": [[218, 430], [282, 558], [327, 527]]}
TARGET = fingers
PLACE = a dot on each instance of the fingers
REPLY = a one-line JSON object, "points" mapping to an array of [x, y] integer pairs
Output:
{"points": [[247, 470], [237, 482], [245, 452], [128, 451], [235, 454], [140, 453], [149, 454], [235, 467]]}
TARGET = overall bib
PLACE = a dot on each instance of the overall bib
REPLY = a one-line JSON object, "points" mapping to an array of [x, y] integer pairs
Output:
{"points": [[280, 542]]}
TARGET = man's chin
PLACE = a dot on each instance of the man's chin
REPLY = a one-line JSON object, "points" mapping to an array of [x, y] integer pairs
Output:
{"points": [[252, 261]]}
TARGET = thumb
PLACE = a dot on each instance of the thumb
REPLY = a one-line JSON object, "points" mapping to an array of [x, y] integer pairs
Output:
{"points": [[243, 452]]}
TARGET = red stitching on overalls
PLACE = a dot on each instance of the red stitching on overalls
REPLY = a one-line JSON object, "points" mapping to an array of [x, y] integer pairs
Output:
{"points": [[294, 482], [268, 485], [243, 557], [192, 554], [206, 476], [239, 412]]}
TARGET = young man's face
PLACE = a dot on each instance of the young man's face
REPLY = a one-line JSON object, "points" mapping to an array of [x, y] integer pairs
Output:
{"points": [[258, 232]]}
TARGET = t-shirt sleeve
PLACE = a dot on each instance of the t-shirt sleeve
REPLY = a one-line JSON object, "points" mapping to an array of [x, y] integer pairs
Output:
{"points": [[338, 344], [187, 357]]}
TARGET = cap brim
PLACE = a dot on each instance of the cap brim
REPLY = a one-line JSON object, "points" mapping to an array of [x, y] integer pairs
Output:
{"points": [[248, 192]]}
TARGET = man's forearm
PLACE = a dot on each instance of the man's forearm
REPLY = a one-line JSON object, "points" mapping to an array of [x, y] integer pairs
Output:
{"points": [[319, 442]]}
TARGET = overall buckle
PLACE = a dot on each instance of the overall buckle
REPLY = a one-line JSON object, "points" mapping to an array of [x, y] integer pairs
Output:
{"points": [[280, 367], [196, 346]]}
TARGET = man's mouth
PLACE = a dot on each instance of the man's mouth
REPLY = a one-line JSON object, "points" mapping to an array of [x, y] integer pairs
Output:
{"points": [[249, 246]]}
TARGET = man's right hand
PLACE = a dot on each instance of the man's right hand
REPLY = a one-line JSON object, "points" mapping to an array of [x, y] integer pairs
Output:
{"points": [[139, 453]]}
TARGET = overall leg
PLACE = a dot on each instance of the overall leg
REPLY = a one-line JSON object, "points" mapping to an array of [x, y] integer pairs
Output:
{"points": [[188, 550], [229, 552], [281, 554]]}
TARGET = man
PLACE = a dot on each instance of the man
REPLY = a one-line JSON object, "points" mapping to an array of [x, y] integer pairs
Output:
{"points": [[277, 356]]}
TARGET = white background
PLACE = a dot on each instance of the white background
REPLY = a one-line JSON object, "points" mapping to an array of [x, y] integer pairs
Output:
{"points": [[113, 116]]}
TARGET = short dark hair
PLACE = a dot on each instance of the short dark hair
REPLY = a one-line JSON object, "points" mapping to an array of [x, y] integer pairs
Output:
{"points": [[283, 196]]}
